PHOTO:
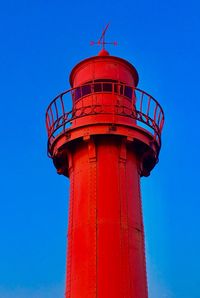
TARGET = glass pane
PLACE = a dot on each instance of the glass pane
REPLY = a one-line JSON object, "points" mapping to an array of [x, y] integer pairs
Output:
{"points": [[97, 88], [77, 93], [86, 90], [107, 87], [128, 92]]}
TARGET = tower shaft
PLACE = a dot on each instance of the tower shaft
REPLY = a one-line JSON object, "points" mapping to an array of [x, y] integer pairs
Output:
{"points": [[105, 234]]}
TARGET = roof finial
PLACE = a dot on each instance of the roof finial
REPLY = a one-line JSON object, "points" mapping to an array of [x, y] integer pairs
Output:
{"points": [[102, 41]]}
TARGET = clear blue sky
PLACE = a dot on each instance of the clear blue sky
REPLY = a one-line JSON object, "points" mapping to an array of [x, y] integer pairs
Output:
{"points": [[40, 42]]}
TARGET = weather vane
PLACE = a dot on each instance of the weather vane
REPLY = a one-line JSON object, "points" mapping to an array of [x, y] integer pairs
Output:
{"points": [[102, 41]]}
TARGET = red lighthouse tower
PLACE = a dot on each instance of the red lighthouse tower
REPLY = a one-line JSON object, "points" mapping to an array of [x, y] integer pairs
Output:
{"points": [[110, 138]]}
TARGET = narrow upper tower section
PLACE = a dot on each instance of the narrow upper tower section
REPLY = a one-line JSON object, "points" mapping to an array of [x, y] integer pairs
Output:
{"points": [[104, 68]]}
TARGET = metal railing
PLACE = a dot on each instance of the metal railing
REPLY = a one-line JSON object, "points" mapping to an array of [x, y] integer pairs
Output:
{"points": [[144, 108]]}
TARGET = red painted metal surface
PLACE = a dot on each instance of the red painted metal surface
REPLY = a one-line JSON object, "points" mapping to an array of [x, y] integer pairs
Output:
{"points": [[109, 139]]}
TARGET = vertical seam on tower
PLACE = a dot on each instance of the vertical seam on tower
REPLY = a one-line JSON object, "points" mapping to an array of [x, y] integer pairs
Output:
{"points": [[95, 215], [128, 232], [93, 195], [96, 227], [122, 164], [70, 233], [143, 238], [120, 192]]}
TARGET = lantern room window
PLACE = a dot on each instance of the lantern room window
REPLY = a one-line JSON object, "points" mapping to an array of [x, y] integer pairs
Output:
{"points": [[103, 85]]}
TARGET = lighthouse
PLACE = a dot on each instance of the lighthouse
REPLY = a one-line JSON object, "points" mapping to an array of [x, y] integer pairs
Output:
{"points": [[104, 145]]}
